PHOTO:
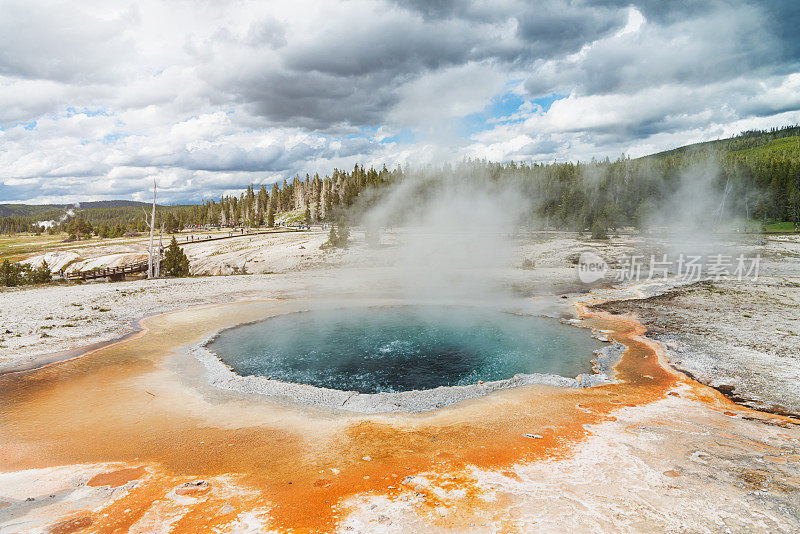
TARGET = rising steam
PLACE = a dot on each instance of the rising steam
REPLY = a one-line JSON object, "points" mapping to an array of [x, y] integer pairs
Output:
{"points": [[445, 236]]}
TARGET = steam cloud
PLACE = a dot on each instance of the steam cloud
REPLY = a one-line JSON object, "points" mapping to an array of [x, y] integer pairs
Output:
{"points": [[446, 236]]}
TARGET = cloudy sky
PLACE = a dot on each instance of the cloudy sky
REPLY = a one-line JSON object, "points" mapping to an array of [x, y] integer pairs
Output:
{"points": [[98, 97]]}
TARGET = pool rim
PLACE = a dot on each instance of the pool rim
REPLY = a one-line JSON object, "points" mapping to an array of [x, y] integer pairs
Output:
{"points": [[221, 375]]}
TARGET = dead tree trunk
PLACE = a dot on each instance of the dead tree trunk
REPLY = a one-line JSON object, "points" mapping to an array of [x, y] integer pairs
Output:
{"points": [[150, 271]]}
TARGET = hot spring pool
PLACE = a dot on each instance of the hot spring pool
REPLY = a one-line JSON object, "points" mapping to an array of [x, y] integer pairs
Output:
{"points": [[394, 349]]}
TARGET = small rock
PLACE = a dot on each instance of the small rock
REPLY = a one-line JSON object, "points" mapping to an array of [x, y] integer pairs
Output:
{"points": [[366, 458], [197, 486], [227, 509], [533, 436], [384, 519]]}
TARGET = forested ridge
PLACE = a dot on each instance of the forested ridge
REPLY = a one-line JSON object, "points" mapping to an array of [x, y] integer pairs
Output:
{"points": [[758, 172]]}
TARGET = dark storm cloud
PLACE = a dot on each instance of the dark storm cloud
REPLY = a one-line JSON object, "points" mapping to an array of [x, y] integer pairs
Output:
{"points": [[400, 49], [561, 28], [351, 73], [683, 43], [437, 8], [543, 28], [783, 18], [315, 100]]}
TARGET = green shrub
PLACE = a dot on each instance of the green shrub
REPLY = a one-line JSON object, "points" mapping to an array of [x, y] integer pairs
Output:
{"points": [[15, 274], [599, 230]]}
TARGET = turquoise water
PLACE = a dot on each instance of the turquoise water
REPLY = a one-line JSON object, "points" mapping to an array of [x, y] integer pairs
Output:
{"points": [[389, 349]]}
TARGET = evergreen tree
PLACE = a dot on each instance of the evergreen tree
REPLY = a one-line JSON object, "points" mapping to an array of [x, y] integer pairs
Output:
{"points": [[171, 224], [599, 230], [175, 262], [42, 274], [344, 235], [337, 237], [10, 274]]}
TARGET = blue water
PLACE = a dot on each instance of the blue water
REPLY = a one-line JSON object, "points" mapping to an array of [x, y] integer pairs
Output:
{"points": [[389, 349]]}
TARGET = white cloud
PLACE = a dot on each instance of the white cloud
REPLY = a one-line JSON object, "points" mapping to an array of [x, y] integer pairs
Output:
{"points": [[448, 94], [98, 97]]}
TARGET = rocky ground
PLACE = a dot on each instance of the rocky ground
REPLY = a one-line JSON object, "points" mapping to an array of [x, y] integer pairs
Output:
{"points": [[742, 338], [268, 252]]}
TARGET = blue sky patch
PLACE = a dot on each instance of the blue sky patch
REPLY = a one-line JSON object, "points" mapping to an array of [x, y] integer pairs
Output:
{"points": [[502, 110]]}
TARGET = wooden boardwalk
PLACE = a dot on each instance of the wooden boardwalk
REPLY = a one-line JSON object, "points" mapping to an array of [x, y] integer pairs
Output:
{"points": [[118, 273], [112, 273], [276, 230]]}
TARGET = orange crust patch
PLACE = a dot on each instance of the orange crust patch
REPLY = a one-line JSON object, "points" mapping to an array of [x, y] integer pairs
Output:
{"points": [[298, 478], [117, 478]]}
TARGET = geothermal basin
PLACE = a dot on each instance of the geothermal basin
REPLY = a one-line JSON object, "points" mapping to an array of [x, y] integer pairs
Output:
{"points": [[304, 467], [400, 357]]}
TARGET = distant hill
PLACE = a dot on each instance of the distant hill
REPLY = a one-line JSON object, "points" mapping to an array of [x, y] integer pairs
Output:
{"points": [[127, 214], [28, 210], [111, 204], [779, 142]]}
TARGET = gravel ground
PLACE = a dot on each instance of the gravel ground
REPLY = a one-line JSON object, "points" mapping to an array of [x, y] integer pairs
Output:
{"points": [[741, 337], [37, 321]]}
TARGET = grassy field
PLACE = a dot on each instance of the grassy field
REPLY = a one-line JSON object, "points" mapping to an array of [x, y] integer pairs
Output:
{"points": [[20, 245], [770, 227], [780, 227]]}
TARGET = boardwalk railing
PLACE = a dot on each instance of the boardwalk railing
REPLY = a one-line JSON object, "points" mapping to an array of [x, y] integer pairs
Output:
{"points": [[109, 272], [118, 273]]}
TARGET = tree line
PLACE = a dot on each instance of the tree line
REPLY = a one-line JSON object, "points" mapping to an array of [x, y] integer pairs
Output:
{"points": [[760, 180]]}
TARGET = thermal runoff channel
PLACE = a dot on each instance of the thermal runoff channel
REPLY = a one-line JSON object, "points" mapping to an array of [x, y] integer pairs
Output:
{"points": [[392, 349]]}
